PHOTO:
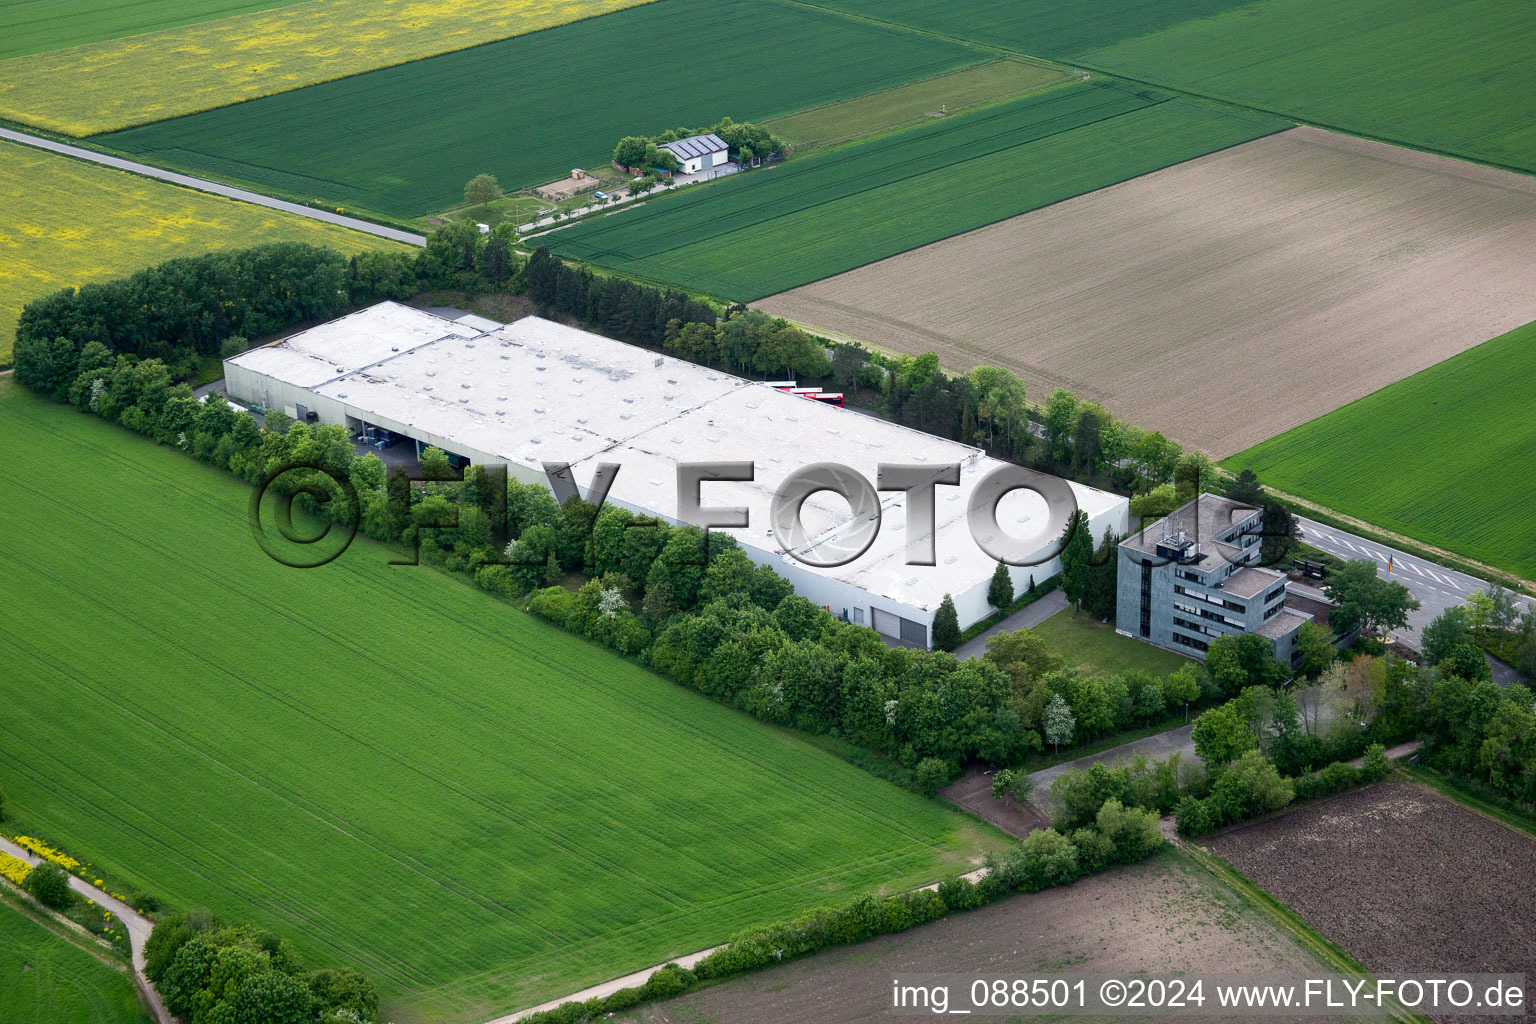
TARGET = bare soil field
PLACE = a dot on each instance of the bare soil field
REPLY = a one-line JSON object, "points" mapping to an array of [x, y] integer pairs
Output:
{"points": [[1401, 877], [1222, 300], [973, 791], [1162, 916]]}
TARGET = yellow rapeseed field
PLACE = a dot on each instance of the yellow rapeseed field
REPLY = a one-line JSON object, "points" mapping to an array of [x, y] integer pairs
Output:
{"points": [[121, 82], [68, 222]]}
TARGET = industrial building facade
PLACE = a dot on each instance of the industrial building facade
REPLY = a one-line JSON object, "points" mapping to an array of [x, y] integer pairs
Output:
{"points": [[1188, 579], [534, 392]]}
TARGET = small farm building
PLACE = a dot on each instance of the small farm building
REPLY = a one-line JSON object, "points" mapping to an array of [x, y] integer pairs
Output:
{"points": [[698, 152]]}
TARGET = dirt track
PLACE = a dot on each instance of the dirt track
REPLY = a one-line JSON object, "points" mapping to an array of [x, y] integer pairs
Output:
{"points": [[1221, 300]]}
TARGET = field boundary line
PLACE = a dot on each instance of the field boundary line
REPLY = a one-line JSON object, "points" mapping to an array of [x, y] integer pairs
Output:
{"points": [[213, 187]]}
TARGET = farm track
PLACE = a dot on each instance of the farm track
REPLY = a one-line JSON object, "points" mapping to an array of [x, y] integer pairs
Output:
{"points": [[136, 924]]}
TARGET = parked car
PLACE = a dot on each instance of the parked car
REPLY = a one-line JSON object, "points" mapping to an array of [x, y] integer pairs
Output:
{"points": [[600, 195]]}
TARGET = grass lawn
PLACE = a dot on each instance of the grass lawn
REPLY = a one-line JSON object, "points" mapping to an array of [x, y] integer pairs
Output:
{"points": [[1081, 640], [112, 84], [69, 222], [830, 210], [529, 109], [912, 104], [46, 978], [1443, 456], [394, 769]]}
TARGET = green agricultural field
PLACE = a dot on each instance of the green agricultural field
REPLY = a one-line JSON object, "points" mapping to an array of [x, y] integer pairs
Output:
{"points": [[1079, 640], [394, 769], [828, 211], [1044, 28], [1444, 455], [1448, 75], [911, 104], [47, 979], [404, 140], [37, 26]]}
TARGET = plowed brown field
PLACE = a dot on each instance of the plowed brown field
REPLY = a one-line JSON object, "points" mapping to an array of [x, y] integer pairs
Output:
{"points": [[1406, 880], [1221, 300]]}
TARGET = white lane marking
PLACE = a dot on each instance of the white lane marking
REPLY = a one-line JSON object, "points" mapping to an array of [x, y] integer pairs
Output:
{"points": [[1415, 568]]}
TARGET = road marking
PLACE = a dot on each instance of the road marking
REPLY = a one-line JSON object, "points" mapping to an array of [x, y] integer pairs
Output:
{"points": [[1415, 568]]}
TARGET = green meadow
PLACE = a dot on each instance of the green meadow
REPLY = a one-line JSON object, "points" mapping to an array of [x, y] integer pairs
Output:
{"points": [[1444, 455], [395, 770]]}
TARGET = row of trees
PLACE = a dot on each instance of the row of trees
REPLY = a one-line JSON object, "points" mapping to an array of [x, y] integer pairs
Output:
{"points": [[178, 311], [208, 972], [750, 142]]}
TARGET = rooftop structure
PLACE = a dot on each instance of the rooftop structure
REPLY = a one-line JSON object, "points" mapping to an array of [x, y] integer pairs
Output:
{"points": [[698, 152], [1190, 578], [535, 391]]}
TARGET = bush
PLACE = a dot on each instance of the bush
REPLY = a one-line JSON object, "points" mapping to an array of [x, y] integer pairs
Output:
{"points": [[1049, 859], [1133, 833], [145, 903], [49, 885], [1375, 763], [959, 893], [1338, 777], [1194, 817], [1094, 849], [932, 774], [667, 981]]}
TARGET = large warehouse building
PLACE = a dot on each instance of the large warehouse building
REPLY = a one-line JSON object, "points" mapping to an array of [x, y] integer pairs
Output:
{"points": [[535, 391]]}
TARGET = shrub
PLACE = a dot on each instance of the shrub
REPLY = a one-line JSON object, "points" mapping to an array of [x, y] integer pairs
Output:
{"points": [[623, 999], [1094, 849], [1193, 817], [1133, 833], [959, 893], [145, 903], [1049, 858], [667, 981], [1338, 776], [932, 774], [1375, 763], [49, 885]]}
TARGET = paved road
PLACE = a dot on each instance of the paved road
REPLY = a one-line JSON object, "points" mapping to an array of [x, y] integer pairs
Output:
{"points": [[138, 927], [212, 186], [1436, 587], [1030, 615]]}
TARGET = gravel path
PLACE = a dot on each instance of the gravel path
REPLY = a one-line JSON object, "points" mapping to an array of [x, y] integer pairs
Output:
{"points": [[212, 186], [137, 924]]}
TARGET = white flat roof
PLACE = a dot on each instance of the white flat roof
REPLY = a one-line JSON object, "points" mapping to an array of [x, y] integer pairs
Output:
{"points": [[536, 391]]}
